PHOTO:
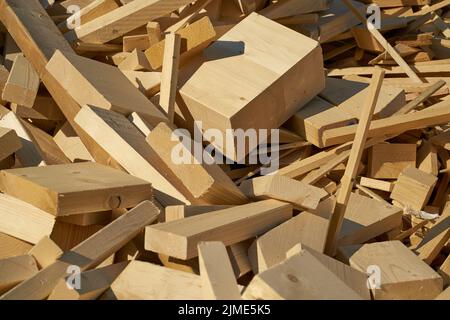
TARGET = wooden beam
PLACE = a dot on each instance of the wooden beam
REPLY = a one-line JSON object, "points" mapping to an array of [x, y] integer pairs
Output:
{"points": [[123, 20], [376, 184], [12, 247], [180, 238], [387, 160], [15, 270], [24, 221], [353, 163], [46, 251], [205, 181], [301, 195], [421, 97], [61, 189], [87, 254], [216, 272]]}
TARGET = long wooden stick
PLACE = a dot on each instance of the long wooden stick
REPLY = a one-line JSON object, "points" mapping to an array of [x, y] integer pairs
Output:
{"points": [[351, 170], [386, 45]]}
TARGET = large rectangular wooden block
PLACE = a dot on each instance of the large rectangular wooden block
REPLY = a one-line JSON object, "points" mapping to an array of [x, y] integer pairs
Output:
{"points": [[399, 272], [75, 188], [258, 68]]}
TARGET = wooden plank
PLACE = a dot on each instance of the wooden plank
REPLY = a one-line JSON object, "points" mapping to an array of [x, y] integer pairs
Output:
{"points": [[179, 238], [414, 188], [194, 38], [127, 145], [403, 275], [79, 76], [421, 98], [93, 283], [45, 252], [147, 82], [140, 42], [442, 140], [15, 270], [23, 221], [180, 212], [376, 184], [436, 238], [147, 281], [387, 161], [123, 19], [431, 116], [206, 182], [301, 195], [88, 219], [70, 143], [62, 189], [288, 8], [248, 77], [12, 247], [169, 74], [445, 295], [9, 142], [427, 158], [353, 163], [287, 280], [218, 281], [444, 271], [87, 254], [22, 84]]}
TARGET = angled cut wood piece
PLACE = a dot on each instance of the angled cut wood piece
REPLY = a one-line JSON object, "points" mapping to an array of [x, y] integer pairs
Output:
{"points": [[75, 188], [248, 67], [403, 275], [414, 188], [93, 283], [218, 281], [288, 280], [9, 142], [15, 270], [135, 61], [12, 247], [127, 145], [206, 181], [91, 82], [301, 195], [23, 221], [281, 9], [22, 84], [147, 281], [87, 254], [179, 238], [70, 143], [123, 19], [46, 251]]}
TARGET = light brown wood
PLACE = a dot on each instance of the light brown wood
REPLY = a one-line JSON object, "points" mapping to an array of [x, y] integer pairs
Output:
{"points": [[9, 142], [87, 254], [15, 270], [179, 238], [62, 189], [387, 161], [12, 247], [45, 252]]}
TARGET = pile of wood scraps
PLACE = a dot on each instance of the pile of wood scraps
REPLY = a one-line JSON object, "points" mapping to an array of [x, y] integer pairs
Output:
{"points": [[224, 149]]}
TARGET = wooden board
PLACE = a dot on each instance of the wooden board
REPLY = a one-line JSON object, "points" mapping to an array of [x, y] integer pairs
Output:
{"points": [[45, 252], [289, 8], [23, 221], [206, 181], [301, 195], [9, 142], [414, 188], [180, 212], [15, 270], [288, 280], [247, 67], [12, 247], [63, 189], [91, 82], [387, 161], [218, 281], [403, 275], [179, 238], [87, 254], [146, 281], [376, 184], [22, 84], [93, 283], [123, 19], [70, 143]]}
